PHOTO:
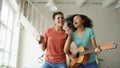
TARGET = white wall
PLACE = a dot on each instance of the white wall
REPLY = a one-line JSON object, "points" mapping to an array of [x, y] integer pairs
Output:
{"points": [[29, 51], [106, 26]]}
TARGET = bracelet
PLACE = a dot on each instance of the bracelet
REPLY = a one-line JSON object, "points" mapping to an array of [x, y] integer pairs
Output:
{"points": [[39, 42]]}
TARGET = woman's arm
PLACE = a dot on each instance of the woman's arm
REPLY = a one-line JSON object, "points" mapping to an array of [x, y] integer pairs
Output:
{"points": [[68, 41], [43, 43], [68, 44], [93, 41]]}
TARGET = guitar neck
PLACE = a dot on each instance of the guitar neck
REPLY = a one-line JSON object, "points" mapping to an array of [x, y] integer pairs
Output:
{"points": [[107, 46], [87, 52]]}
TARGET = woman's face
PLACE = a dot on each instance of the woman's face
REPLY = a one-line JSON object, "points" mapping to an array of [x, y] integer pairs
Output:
{"points": [[77, 21], [59, 20]]}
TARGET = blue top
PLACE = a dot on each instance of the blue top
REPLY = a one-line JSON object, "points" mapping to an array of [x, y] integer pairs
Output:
{"points": [[85, 41]]}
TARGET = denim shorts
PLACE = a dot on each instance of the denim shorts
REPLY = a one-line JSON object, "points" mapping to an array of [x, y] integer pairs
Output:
{"points": [[89, 65], [51, 65]]}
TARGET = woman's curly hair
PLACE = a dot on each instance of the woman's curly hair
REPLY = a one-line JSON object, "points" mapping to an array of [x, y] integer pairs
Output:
{"points": [[87, 22]]}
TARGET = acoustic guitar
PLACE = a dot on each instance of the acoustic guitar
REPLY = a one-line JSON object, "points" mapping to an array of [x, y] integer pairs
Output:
{"points": [[83, 54]]}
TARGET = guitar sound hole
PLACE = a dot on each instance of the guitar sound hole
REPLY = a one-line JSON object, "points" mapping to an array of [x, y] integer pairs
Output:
{"points": [[77, 55]]}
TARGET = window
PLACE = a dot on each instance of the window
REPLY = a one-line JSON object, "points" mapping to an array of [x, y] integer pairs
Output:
{"points": [[6, 30]]}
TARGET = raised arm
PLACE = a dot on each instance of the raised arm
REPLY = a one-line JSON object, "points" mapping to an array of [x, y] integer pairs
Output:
{"points": [[43, 43], [68, 41]]}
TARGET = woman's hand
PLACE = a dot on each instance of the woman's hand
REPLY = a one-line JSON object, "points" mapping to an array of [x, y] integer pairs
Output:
{"points": [[72, 57], [41, 39], [97, 49], [68, 31]]}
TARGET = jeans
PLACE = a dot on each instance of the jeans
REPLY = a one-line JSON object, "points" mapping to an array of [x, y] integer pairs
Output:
{"points": [[89, 65], [50, 65]]}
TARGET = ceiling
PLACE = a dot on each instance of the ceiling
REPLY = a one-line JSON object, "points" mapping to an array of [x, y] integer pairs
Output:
{"points": [[80, 3], [105, 3]]}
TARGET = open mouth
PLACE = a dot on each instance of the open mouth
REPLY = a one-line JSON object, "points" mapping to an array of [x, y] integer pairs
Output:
{"points": [[60, 22], [75, 23]]}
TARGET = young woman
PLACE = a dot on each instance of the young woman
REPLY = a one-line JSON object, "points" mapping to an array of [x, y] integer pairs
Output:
{"points": [[82, 36], [53, 42]]}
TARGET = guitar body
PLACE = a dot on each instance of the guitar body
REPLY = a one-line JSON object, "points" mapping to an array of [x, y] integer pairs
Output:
{"points": [[84, 58], [80, 59]]}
